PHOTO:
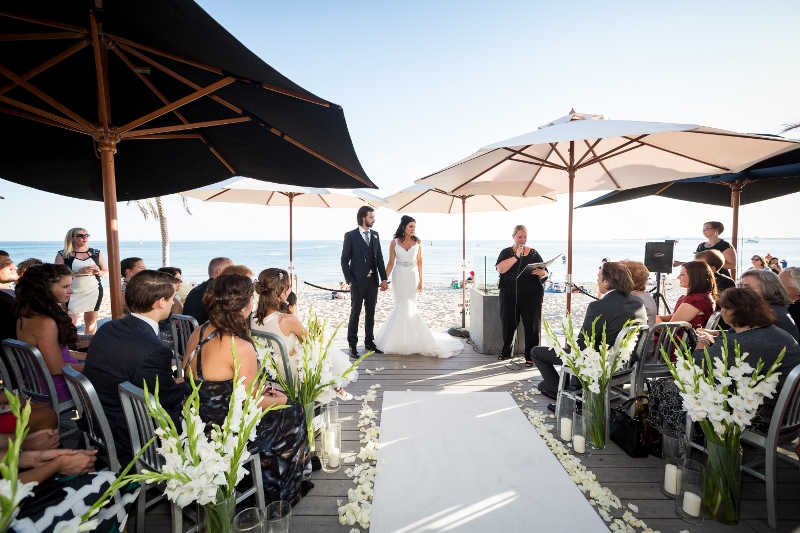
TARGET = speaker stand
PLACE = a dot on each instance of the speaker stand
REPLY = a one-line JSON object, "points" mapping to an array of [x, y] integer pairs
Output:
{"points": [[658, 296]]}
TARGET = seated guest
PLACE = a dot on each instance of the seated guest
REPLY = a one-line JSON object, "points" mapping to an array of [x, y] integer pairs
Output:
{"points": [[790, 277], [8, 275], [281, 438], [767, 285], [640, 275], [238, 269], [775, 265], [752, 322], [177, 273], [290, 305], [43, 322], [701, 294], [129, 267], [758, 263], [616, 307], [714, 259], [42, 426], [193, 305], [22, 266], [128, 349]]}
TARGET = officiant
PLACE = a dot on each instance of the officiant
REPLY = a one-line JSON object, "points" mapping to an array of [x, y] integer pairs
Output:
{"points": [[521, 293]]}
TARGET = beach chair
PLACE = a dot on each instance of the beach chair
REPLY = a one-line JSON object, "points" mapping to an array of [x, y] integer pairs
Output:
{"points": [[182, 327], [34, 381], [142, 428], [96, 432], [784, 427]]}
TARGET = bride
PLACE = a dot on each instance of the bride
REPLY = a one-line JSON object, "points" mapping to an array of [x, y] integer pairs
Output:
{"points": [[405, 331]]}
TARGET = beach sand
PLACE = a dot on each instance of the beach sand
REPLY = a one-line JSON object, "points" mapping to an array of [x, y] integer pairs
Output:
{"points": [[438, 303]]}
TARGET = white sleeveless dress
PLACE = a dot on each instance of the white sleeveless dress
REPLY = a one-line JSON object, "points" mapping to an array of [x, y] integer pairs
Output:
{"points": [[405, 332], [339, 359]]}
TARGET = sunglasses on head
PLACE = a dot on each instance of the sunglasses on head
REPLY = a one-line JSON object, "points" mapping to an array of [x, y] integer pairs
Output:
{"points": [[81, 235]]}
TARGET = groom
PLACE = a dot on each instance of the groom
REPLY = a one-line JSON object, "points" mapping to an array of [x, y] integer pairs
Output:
{"points": [[362, 263]]}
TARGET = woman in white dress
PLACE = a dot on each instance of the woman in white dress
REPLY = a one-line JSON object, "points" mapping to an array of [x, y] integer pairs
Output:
{"points": [[405, 332], [88, 266], [273, 288]]}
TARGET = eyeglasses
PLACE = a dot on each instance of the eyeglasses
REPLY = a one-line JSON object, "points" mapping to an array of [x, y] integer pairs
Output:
{"points": [[755, 259], [81, 235]]}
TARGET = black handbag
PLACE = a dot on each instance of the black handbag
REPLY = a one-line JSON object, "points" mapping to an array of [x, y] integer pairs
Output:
{"points": [[628, 432]]}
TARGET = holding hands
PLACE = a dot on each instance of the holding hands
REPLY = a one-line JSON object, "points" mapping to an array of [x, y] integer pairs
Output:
{"points": [[384, 285]]}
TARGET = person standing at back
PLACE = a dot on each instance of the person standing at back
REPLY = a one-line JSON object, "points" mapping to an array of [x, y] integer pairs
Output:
{"points": [[364, 271], [8, 275], [193, 306]]}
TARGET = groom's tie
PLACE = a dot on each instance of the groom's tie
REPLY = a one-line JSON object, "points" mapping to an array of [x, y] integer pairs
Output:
{"points": [[366, 237]]}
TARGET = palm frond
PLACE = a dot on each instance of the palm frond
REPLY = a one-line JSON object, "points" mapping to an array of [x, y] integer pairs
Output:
{"points": [[185, 202], [790, 127]]}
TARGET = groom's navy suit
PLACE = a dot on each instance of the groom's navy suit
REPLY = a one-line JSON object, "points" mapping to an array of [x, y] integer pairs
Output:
{"points": [[362, 265]]}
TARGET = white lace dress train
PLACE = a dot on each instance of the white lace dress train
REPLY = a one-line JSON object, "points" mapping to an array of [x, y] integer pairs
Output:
{"points": [[405, 332]]}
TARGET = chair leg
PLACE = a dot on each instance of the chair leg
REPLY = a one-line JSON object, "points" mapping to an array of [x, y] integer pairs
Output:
{"points": [[177, 518], [771, 482], [258, 480], [141, 506]]}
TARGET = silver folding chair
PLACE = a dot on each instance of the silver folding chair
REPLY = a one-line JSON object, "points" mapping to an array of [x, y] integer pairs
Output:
{"points": [[272, 341], [33, 378], [182, 328], [784, 427], [713, 320], [97, 434], [142, 428], [651, 364]]}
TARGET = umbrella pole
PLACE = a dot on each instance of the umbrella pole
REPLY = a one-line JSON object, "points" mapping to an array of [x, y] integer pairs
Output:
{"points": [[736, 192], [107, 149], [569, 224], [463, 261], [291, 259]]}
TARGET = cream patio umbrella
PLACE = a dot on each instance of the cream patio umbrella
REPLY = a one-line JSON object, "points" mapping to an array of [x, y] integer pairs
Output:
{"points": [[584, 152], [250, 191], [424, 199]]}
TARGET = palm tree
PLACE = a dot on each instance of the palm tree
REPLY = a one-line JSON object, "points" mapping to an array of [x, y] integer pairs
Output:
{"points": [[159, 213], [790, 127]]}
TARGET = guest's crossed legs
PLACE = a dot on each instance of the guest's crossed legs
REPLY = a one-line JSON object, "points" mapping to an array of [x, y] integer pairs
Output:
{"points": [[545, 359]]}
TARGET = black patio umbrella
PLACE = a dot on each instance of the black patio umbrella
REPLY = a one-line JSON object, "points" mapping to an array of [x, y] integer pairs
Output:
{"points": [[80, 77], [768, 179]]}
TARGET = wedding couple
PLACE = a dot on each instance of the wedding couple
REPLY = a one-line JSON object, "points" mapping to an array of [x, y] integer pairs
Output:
{"points": [[405, 331]]}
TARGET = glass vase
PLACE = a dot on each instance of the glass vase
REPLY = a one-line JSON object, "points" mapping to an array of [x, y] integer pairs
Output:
{"points": [[595, 413], [329, 413], [674, 451], [689, 503], [279, 517], [723, 485], [332, 448], [580, 434], [566, 409], [219, 516], [308, 409]]}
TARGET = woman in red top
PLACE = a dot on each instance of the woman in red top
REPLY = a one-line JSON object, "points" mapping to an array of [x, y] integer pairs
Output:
{"points": [[701, 295]]}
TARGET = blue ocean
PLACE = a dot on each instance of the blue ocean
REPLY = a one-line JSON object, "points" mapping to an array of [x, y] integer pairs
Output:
{"points": [[319, 261]]}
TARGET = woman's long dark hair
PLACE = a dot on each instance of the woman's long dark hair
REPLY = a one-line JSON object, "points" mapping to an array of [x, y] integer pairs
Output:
{"points": [[405, 220], [701, 279], [270, 285], [35, 297], [227, 296]]}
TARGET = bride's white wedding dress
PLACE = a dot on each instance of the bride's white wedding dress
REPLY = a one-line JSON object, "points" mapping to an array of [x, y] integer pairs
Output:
{"points": [[405, 331]]}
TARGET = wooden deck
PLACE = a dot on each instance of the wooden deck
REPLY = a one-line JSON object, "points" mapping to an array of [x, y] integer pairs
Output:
{"points": [[634, 481]]}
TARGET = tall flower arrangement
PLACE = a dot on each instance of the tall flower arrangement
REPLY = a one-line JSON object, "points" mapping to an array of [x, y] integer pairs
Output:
{"points": [[593, 367], [205, 469], [723, 394], [12, 490]]}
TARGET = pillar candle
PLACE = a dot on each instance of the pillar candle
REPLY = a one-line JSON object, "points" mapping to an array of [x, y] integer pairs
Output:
{"points": [[566, 429], [333, 457], [330, 437], [692, 503], [579, 444], [672, 479]]}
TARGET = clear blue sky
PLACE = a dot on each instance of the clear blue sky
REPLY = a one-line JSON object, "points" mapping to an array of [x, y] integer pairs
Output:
{"points": [[425, 83]]}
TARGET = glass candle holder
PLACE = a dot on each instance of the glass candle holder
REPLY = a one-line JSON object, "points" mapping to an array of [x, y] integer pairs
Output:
{"points": [[689, 503], [250, 520], [674, 451], [581, 438], [330, 414], [565, 411], [332, 448], [279, 517]]}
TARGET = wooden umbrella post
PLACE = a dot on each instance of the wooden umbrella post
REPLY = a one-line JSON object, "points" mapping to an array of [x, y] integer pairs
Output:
{"points": [[463, 261], [736, 192], [291, 259], [569, 225]]}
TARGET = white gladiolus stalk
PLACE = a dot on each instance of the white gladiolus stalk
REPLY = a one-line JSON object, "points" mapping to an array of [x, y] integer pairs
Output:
{"points": [[12, 490], [723, 394]]}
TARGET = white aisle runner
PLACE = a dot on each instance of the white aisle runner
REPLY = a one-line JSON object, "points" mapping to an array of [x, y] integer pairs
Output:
{"points": [[470, 462]]}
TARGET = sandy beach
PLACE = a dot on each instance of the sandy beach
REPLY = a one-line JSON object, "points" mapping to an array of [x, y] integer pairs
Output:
{"points": [[438, 303]]}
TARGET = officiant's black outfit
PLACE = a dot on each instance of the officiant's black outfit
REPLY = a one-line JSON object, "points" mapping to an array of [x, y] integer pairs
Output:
{"points": [[363, 267], [520, 298]]}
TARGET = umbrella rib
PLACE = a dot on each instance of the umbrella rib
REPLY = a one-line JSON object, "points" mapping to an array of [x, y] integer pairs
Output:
{"points": [[553, 146], [486, 170], [320, 156], [662, 189], [42, 113], [498, 201], [183, 127], [323, 201], [536, 174], [60, 123], [101, 75], [602, 165], [617, 150], [187, 136], [589, 151], [46, 98], [536, 160], [47, 64], [266, 86], [178, 77], [603, 158], [220, 193], [414, 199], [454, 166], [176, 104], [42, 36], [686, 156], [45, 22], [452, 201]]}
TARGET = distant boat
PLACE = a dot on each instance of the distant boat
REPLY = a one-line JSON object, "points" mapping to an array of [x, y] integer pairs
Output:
{"points": [[753, 239]]}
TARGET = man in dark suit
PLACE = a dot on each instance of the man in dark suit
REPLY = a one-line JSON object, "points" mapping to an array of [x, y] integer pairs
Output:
{"points": [[129, 349], [616, 307], [362, 264], [193, 305]]}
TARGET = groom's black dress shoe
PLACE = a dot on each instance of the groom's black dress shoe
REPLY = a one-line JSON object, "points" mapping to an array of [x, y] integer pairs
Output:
{"points": [[551, 407], [354, 352], [373, 348]]}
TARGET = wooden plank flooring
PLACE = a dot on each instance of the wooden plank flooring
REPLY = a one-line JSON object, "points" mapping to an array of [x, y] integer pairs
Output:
{"points": [[634, 481]]}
